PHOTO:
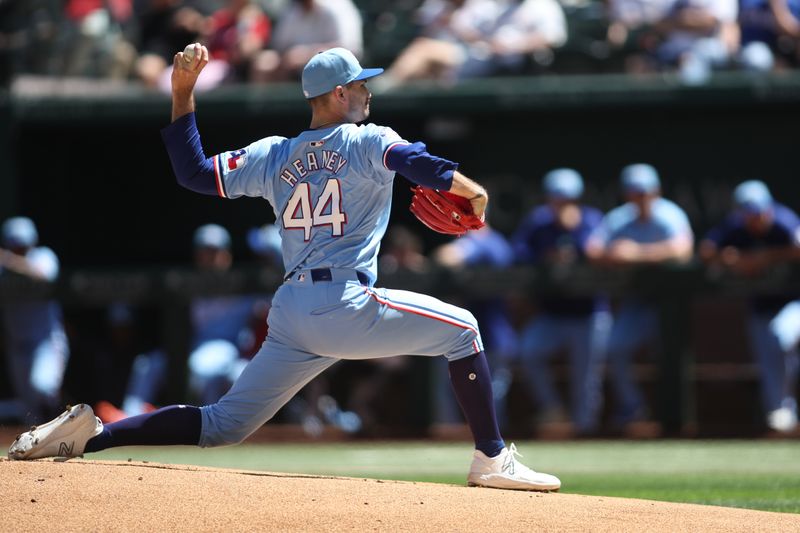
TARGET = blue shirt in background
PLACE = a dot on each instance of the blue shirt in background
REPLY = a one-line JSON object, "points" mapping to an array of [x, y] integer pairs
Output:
{"points": [[667, 221], [540, 234], [34, 321], [785, 231]]}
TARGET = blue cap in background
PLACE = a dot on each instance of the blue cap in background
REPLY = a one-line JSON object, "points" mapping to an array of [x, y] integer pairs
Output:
{"points": [[212, 236], [266, 242], [19, 232], [563, 183], [336, 66], [640, 178], [752, 196]]}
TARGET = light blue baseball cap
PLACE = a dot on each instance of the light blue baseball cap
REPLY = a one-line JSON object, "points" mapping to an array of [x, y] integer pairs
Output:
{"points": [[19, 232], [563, 183], [266, 241], [212, 236], [640, 178], [752, 196], [335, 66]]}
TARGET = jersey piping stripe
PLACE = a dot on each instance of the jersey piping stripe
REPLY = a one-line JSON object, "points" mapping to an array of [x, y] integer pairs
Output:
{"points": [[428, 313], [386, 152], [218, 176]]}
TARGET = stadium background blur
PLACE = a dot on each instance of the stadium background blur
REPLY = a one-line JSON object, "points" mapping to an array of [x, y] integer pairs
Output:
{"points": [[83, 158]]}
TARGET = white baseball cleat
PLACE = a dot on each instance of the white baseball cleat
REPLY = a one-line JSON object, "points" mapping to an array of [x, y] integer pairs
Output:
{"points": [[64, 436], [505, 472]]}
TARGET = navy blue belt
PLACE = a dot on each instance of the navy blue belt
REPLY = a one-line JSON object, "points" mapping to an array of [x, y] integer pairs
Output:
{"points": [[325, 274]]}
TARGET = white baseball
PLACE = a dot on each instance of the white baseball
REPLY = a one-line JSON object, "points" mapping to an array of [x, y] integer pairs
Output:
{"points": [[188, 53]]}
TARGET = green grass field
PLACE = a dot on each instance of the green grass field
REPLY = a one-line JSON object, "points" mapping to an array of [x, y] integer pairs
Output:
{"points": [[761, 475]]}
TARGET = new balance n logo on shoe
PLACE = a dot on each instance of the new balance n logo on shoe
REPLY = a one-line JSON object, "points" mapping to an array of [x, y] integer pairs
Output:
{"points": [[64, 450], [508, 464]]}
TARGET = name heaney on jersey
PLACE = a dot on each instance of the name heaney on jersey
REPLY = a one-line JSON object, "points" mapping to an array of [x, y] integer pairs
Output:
{"points": [[330, 160]]}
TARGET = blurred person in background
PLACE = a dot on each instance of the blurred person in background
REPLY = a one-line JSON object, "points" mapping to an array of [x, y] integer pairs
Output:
{"points": [[467, 39], [694, 36], [786, 327], [631, 28], [524, 35], [403, 250], [697, 36], [219, 323], [236, 33], [647, 230], [131, 341], [759, 234], [36, 346], [240, 30], [555, 234], [447, 27], [304, 29], [770, 34], [217, 355], [485, 247], [166, 26], [92, 40]]}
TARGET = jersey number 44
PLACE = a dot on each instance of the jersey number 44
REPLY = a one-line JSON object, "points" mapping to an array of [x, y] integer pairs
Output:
{"points": [[327, 211]]}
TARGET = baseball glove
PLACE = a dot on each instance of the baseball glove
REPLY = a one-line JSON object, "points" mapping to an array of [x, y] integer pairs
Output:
{"points": [[444, 212]]}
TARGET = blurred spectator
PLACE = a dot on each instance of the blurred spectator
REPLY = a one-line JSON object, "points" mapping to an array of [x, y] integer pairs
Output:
{"points": [[402, 249], [692, 35], [631, 29], [770, 33], [218, 322], [786, 327], [239, 31], [165, 28], [524, 34], [447, 28], [218, 359], [265, 243], [463, 39], [36, 346], [757, 235], [91, 40], [489, 248], [148, 369], [555, 234], [646, 230], [698, 35], [304, 29]]}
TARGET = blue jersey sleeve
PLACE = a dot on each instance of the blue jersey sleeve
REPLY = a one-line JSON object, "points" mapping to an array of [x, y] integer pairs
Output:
{"points": [[415, 163], [246, 172], [192, 169]]}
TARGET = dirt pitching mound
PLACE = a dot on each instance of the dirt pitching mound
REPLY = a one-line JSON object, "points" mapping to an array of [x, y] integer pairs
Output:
{"points": [[83, 495]]}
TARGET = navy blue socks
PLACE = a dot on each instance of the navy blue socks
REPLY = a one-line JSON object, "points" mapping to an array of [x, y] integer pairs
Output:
{"points": [[472, 384], [175, 424]]}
